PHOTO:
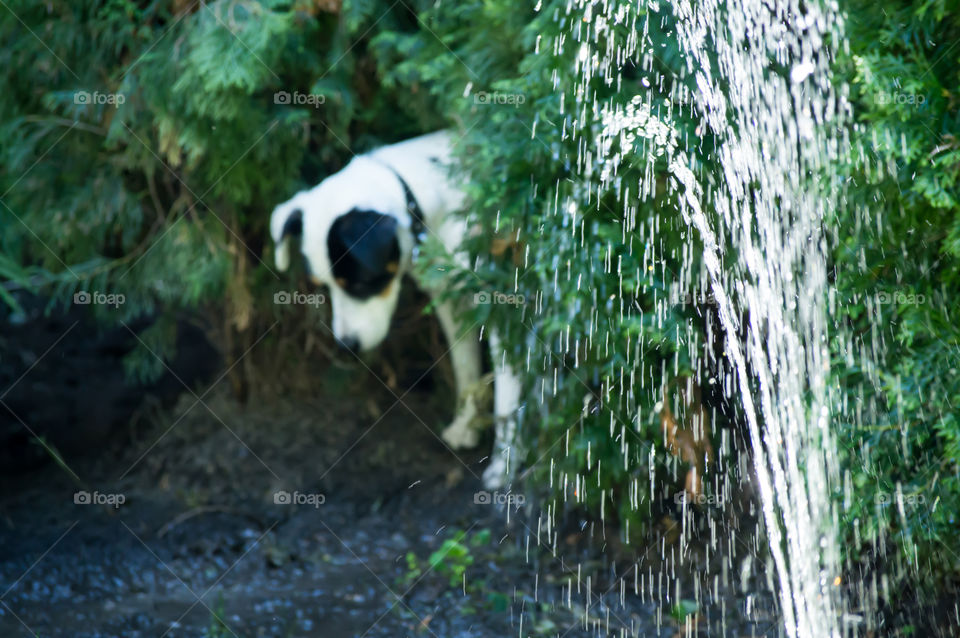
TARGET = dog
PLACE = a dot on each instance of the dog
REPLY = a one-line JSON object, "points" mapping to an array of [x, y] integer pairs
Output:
{"points": [[359, 231], [692, 443]]}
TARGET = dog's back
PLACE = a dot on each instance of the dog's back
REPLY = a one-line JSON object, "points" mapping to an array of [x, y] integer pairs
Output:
{"points": [[425, 163]]}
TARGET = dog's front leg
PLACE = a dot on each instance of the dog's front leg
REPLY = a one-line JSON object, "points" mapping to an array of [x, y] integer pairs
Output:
{"points": [[506, 402], [465, 357]]}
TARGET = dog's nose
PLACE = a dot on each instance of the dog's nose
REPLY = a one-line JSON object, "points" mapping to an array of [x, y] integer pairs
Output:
{"points": [[349, 343]]}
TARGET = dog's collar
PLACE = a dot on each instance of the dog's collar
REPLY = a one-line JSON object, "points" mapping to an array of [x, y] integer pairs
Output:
{"points": [[417, 225]]}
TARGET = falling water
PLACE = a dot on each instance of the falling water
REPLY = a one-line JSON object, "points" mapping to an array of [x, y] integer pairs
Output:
{"points": [[776, 136], [762, 78]]}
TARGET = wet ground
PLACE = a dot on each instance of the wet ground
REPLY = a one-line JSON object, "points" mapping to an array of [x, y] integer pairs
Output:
{"points": [[330, 512], [204, 537], [204, 540]]}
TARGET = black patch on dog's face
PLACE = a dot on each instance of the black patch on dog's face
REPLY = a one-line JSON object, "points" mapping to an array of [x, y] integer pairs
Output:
{"points": [[364, 252]]}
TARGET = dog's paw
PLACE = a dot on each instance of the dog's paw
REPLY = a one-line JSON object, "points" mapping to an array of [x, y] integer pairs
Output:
{"points": [[495, 476], [460, 436], [462, 433]]}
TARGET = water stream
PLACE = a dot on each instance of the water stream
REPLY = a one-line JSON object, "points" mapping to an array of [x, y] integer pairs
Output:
{"points": [[758, 80]]}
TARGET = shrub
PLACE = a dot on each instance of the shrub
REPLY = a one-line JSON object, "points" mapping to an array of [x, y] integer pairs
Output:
{"points": [[144, 145], [566, 232], [897, 263]]}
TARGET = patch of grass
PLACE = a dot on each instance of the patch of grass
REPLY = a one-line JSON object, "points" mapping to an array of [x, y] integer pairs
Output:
{"points": [[451, 560], [217, 628]]}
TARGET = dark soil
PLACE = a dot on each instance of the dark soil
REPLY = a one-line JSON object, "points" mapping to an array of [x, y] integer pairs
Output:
{"points": [[200, 545]]}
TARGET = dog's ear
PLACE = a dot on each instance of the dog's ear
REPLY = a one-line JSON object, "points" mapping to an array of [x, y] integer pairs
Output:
{"points": [[286, 222]]}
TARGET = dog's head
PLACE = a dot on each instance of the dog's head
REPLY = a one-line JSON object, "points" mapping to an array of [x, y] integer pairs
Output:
{"points": [[357, 254]]}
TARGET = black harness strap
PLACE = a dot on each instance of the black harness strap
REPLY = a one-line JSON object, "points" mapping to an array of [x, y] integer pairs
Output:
{"points": [[417, 225]]}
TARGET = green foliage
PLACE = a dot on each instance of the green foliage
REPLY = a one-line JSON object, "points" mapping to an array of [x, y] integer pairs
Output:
{"points": [[684, 608], [897, 270], [451, 560], [217, 628], [588, 266], [143, 145]]}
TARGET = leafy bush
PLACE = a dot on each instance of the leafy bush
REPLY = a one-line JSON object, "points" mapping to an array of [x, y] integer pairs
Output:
{"points": [[145, 143], [898, 267], [585, 256], [895, 243]]}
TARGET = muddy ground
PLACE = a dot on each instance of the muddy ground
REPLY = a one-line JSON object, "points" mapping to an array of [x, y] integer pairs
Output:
{"points": [[205, 542]]}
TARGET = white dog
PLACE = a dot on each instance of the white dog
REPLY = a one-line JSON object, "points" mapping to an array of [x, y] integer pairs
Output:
{"points": [[359, 230]]}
